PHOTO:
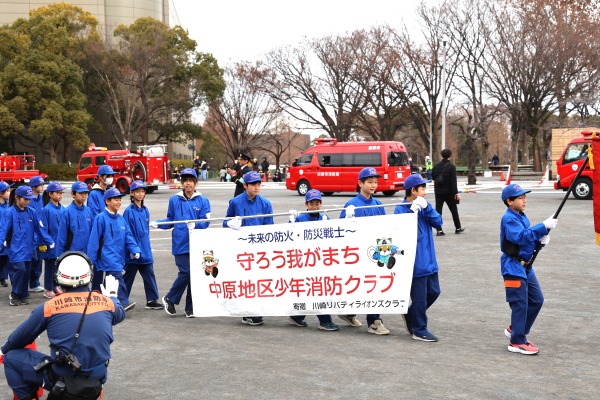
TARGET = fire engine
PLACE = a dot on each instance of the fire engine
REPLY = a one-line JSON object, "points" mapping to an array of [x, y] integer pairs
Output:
{"points": [[18, 168], [149, 164], [570, 162]]}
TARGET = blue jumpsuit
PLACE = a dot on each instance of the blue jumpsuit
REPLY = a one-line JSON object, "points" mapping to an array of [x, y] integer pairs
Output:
{"points": [[241, 206], [138, 219], [425, 288], [109, 241], [180, 209], [523, 291], [60, 317], [75, 228], [5, 269], [359, 201], [51, 216], [36, 263], [95, 200]]}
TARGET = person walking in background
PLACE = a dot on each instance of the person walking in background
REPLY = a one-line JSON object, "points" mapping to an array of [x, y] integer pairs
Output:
{"points": [[428, 167], [446, 190], [203, 170]]}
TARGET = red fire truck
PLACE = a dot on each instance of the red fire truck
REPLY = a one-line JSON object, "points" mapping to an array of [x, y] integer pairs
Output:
{"points": [[18, 168], [570, 162], [333, 167], [149, 164]]}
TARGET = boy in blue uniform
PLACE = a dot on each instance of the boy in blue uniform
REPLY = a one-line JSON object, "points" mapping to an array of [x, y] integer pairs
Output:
{"points": [[51, 216], [249, 202], [137, 217], [96, 197], [367, 181], [4, 264], [185, 205], [425, 288], [518, 241], [19, 224], [109, 241], [313, 203], [76, 222], [37, 203]]}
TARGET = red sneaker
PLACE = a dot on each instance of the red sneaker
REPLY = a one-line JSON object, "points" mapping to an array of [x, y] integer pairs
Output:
{"points": [[527, 348]]}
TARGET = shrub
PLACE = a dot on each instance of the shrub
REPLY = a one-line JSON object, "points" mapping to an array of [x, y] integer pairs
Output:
{"points": [[58, 172]]}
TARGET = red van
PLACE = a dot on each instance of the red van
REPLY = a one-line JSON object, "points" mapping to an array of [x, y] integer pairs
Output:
{"points": [[570, 162], [333, 167]]}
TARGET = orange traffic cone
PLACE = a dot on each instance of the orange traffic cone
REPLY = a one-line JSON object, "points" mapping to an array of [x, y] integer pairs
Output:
{"points": [[501, 176], [508, 177]]}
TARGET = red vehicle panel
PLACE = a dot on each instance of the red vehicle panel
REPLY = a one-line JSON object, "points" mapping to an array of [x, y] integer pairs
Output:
{"points": [[333, 167], [18, 168], [570, 162]]}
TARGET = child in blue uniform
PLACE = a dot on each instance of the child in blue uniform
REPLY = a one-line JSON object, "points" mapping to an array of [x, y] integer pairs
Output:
{"points": [[109, 241], [313, 203], [249, 202], [367, 181], [96, 197], [16, 231], [425, 287], [76, 222], [4, 264], [185, 205], [36, 183], [137, 217], [51, 216], [518, 241]]}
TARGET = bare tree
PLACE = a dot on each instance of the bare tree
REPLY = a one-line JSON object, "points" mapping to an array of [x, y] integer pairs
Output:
{"points": [[279, 139]]}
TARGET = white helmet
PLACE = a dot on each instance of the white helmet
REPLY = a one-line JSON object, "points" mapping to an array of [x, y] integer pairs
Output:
{"points": [[73, 269]]}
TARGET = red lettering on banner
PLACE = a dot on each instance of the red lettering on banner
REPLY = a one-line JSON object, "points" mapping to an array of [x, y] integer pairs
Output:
{"points": [[279, 255], [371, 279], [333, 285], [263, 259], [264, 288], [245, 260], [350, 252], [329, 256], [391, 278], [294, 258], [297, 286]]}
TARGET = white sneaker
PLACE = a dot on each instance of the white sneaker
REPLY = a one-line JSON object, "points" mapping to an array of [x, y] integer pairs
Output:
{"points": [[351, 320], [377, 328], [36, 289]]}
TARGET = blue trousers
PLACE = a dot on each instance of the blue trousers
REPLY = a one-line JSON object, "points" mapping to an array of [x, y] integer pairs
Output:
{"points": [[323, 319], [49, 272], [122, 292], [20, 278], [423, 293], [20, 375], [97, 278], [525, 299], [36, 269], [5, 267], [147, 273], [182, 282]]}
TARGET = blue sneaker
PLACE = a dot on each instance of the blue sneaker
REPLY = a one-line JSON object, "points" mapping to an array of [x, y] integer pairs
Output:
{"points": [[329, 326], [298, 322], [428, 337]]}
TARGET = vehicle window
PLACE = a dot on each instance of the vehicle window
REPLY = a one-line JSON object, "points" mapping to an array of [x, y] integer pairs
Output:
{"points": [[100, 160], [350, 160], [397, 159], [575, 152], [85, 162], [304, 159]]}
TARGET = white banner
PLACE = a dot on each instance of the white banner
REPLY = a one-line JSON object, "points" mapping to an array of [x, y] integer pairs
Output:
{"points": [[341, 266]]}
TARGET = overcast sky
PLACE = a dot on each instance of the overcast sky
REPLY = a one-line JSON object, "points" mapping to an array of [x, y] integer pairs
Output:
{"points": [[235, 30]]}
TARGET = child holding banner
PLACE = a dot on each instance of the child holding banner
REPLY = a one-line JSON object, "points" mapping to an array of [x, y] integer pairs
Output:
{"points": [[425, 288], [185, 205], [249, 203], [367, 181], [313, 203]]}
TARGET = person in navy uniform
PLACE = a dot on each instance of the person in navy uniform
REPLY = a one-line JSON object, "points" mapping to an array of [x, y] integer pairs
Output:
{"points": [[237, 175], [425, 288], [518, 241], [60, 317]]}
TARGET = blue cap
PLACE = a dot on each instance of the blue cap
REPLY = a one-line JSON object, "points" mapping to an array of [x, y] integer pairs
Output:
{"points": [[312, 194], [368, 172], [24, 191], [105, 170], [54, 187], [251, 177], [513, 190], [79, 187], [112, 193], [413, 180], [189, 172], [36, 181], [4, 186], [137, 185]]}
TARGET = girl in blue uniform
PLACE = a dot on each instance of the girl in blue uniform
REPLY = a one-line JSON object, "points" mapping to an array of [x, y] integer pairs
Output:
{"points": [[51, 216], [37, 203], [4, 264], [137, 217], [425, 288], [76, 222]]}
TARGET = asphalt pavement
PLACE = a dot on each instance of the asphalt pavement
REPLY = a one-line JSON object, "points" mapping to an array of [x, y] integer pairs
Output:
{"points": [[157, 356]]}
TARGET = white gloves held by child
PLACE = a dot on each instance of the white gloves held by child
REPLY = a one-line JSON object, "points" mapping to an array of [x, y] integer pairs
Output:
{"points": [[235, 223], [545, 240], [418, 204], [349, 211], [551, 222], [153, 224]]}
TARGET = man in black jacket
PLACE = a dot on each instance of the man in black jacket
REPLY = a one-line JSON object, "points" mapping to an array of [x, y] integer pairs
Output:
{"points": [[446, 190]]}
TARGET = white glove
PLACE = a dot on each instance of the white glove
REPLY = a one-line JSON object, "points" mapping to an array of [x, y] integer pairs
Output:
{"points": [[5, 245], [545, 240], [420, 200], [110, 287], [191, 225], [136, 256], [551, 223], [51, 246], [350, 211], [153, 224], [235, 223], [415, 207], [293, 215]]}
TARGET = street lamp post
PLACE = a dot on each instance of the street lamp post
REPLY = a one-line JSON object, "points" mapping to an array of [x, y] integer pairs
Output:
{"points": [[444, 51]]}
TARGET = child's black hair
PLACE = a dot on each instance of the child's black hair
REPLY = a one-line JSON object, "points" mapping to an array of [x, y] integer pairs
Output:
{"points": [[408, 192], [513, 198]]}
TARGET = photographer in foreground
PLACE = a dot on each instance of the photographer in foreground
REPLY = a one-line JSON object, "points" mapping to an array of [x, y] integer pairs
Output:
{"points": [[79, 324]]}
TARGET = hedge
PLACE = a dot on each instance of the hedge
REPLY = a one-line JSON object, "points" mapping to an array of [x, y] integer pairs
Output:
{"points": [[58, 172]]}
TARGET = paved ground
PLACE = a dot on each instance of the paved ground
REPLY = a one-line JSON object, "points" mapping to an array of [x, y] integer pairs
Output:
{"points": [[156, 356]]}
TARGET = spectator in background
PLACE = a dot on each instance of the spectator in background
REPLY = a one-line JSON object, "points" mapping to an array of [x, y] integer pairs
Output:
{"points": [[446, 190], [203, 169], [495, 159], [264, 165]]}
